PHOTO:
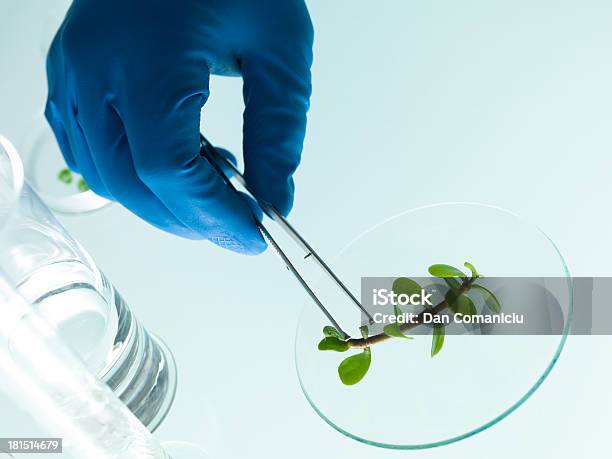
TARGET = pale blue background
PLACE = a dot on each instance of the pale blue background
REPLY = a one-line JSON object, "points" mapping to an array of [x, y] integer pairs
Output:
{"points": [[415, 102]]}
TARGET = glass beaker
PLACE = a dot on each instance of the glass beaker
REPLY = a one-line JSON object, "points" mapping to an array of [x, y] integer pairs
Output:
{"points": [[79, 412], [61, 281]]}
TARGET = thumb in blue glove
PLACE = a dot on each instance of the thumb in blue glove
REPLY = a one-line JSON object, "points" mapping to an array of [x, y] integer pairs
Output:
{"points": [[127, 81]]}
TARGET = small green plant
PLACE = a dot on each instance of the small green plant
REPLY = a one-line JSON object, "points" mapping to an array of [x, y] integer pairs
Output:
{"points": [[65, 176], [82, 185], [354, 368]]}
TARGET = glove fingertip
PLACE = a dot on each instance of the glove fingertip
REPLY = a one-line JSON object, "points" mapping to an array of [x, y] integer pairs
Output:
{"points": [[278, 193], [258, 243], [243, 235], [254, 248], [255, 208]]}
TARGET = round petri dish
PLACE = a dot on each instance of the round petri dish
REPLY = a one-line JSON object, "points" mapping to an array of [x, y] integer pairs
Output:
{"points": [[43, 163], [409, 399]]}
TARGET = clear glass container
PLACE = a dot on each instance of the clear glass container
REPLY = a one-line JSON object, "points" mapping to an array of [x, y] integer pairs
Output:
{"points": [[47, 379], [61, 281], [408, 399]]}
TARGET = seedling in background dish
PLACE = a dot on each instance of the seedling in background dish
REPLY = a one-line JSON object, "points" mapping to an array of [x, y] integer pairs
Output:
{"points": [[354, 368], [82, 185], [65, 176]]}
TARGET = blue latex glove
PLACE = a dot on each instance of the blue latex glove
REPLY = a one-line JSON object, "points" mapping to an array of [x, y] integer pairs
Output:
{"points": [[127, 80]]}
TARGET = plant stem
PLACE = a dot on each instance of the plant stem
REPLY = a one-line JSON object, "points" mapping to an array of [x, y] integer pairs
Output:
{"points": [[361, 343]]}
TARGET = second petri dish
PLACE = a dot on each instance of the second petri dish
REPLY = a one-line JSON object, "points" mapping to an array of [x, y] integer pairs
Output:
{"points": [[409, 399], [45, 170]]}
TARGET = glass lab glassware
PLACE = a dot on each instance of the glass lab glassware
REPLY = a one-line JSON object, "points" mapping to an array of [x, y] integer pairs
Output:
{"points": [[47, 379], [409, 400], [43, 162], [61, 281]]}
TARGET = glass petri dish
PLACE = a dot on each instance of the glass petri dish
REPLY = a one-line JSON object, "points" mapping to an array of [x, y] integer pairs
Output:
{"points": [[409, 400], [43, 162]]}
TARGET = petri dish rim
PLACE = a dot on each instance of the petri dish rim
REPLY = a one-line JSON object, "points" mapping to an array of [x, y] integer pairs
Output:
{"points": [[503, 414]]}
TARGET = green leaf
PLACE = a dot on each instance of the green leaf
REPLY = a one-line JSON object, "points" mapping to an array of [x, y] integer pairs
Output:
{"points": [[437, 340], [333, 344], [404, 285], [396, 309], [364, 331], [453, 284], [461, 304], [354, 368], [471, 267], [490, 300], [65, 176], [395, 331], [441, 270], [82, 185], [331, 332]]}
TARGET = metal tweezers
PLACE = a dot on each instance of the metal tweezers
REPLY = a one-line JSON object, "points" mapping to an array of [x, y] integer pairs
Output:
{"points": [[219, 163]]}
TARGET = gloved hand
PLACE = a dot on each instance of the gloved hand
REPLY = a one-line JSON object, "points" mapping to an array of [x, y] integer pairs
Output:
{"points": [[127, 80]]}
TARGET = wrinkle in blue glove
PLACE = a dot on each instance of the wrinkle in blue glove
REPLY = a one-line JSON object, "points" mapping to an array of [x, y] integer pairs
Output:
{"points": [[127, 81]]}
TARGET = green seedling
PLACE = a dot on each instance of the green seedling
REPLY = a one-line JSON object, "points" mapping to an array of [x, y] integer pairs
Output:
{"points": [[394, 330], [441, 270], [82, 186], [354, 368], [489, 299], [437, 340], [65, 176]]}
